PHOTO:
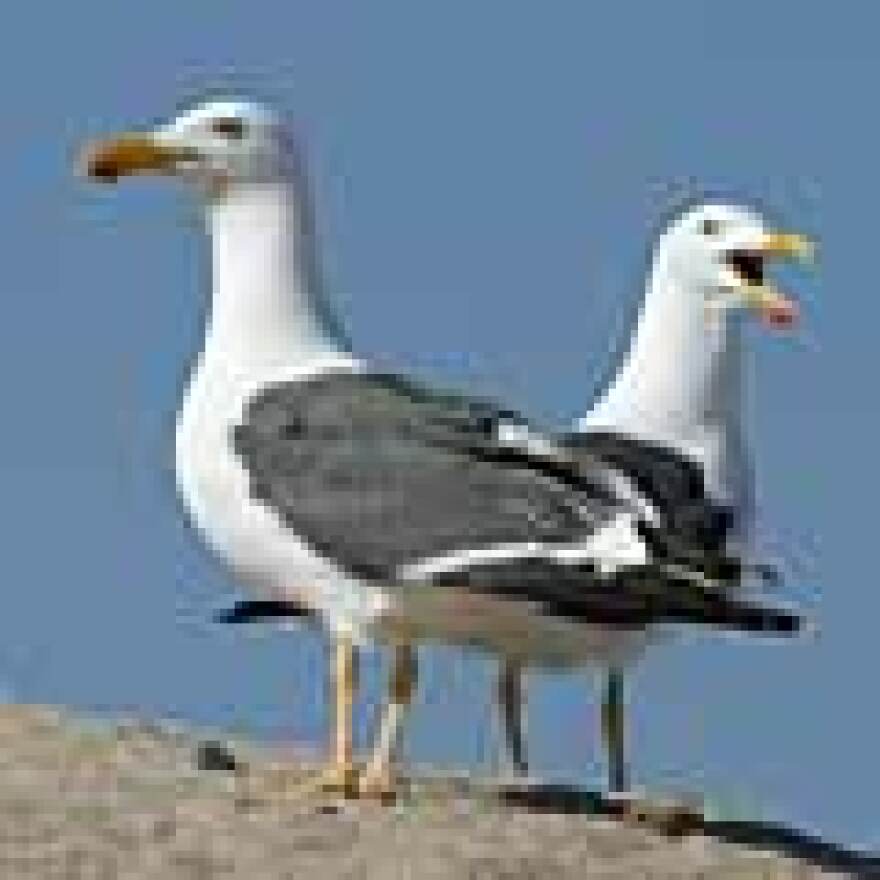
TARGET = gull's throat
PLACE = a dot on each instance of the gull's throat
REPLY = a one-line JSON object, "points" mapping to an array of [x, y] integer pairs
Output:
{"points": [[266, 307], [680, 384]]}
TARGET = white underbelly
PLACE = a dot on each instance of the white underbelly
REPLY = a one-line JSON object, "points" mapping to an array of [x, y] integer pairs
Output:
{"points": [[265, 556]]}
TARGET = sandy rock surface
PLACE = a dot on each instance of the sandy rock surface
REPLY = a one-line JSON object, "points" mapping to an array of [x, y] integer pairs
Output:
{"points": [[84, 798]]}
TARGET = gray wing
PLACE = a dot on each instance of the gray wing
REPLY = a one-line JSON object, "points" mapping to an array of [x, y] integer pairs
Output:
{"points": [[381, 475]]}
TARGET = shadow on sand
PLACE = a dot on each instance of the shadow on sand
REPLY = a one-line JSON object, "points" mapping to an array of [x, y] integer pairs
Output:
{"points": [[763, 836]]}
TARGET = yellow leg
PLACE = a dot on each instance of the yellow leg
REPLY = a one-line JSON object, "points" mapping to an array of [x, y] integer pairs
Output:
{"points": [[340, 774], [346, 680], [379, 779]]}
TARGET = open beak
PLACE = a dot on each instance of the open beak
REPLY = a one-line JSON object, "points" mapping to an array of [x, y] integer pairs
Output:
{"points": [[127, 154], [775, 308]]}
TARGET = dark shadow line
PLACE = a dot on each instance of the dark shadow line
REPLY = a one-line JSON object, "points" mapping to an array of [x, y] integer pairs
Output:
{"points": [[765, 836]]}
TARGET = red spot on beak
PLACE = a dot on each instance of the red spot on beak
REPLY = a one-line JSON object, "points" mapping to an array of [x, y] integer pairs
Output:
{"points": [[780, 314]]}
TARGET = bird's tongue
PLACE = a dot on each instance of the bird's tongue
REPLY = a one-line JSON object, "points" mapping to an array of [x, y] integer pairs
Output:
{"points": [[779, 313]]}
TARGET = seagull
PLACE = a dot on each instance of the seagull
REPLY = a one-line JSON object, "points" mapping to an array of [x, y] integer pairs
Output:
{"points": [[388, 509], [672, 419]]}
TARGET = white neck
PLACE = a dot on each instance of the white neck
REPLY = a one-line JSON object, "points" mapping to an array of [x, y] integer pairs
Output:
{"points": [[265, 314], [681, 383]]}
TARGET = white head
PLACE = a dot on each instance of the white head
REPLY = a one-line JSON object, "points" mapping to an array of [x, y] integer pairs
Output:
{"points": [[718, 253], [215, 144], [267, 300], [680, 382]]}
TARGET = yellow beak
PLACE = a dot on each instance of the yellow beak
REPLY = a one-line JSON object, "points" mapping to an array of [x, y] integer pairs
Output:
{"points": [[789, 246], [130, 154], [775, 308]]}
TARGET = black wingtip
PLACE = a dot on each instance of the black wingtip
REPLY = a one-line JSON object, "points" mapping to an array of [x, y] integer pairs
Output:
{"points": [[755, 619], [257, 610], [777, 621]]}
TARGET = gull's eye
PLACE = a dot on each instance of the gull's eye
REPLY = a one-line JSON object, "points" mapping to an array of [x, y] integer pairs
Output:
{"points": [[710, 227], [229, 127]]}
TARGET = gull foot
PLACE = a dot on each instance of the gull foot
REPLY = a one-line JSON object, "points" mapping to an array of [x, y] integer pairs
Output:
{"points": [[383, 786], [340, 779], [334, 779]]}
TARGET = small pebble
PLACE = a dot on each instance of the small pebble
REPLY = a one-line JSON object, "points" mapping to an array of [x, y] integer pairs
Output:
{"points": [[213, 756]]}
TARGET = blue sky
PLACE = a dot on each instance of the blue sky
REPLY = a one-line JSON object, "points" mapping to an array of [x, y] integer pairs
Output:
{"points": [[488, 177]]}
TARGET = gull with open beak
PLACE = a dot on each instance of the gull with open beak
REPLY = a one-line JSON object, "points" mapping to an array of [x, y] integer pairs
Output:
{"points": [[673, 419], [747, 276]]}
